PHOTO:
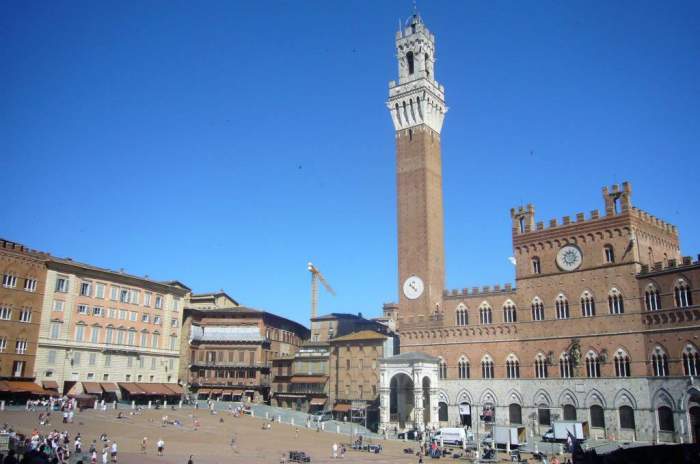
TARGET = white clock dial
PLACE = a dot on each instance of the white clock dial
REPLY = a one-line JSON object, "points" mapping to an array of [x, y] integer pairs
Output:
{"points": [[413, 287], [569, 258]]}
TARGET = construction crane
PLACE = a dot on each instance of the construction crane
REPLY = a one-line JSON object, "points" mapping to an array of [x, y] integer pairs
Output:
{"points": [[316, 276]]}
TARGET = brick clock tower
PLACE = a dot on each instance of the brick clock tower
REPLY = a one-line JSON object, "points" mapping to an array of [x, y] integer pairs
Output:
{"points": [[417, 107]]}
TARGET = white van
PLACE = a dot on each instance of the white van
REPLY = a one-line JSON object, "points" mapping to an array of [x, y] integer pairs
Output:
{"points": [[451, 436]]}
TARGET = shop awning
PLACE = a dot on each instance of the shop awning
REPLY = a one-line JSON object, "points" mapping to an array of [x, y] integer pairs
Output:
{"points": [[317, 401], [109, 387], [175, 388], [49, 384], [92, 388], [341, 407], [18, 386], [216, 391], [155, 389], [309, 379], [203, 391], [131, 388], [4, 386]]}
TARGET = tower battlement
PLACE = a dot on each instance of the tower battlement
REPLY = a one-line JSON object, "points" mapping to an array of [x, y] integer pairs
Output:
{"points": [[654, 221], [617, 199]]}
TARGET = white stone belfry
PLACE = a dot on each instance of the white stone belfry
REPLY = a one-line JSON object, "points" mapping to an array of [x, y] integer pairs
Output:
{"points": [[408, 392], [417, 98]]}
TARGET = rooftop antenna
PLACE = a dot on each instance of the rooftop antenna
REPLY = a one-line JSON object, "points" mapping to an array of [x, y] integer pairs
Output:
{"points": [[415, 8]]}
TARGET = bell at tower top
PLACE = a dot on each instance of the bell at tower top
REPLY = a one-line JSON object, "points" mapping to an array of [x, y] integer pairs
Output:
{"points": [[415, 47], [417, 98]]}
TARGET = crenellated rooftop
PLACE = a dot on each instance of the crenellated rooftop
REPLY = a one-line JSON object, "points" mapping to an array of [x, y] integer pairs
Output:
{"points": [[670, 265], [18, 247], [484, 290], [617, 200]]}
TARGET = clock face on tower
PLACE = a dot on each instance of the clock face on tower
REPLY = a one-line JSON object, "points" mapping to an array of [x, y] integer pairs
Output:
{"points": [[413, 287], [569, 258]]}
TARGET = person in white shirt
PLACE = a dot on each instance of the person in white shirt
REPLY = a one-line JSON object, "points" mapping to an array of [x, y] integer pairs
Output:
{"points": [[160, 445], [114, 451]]}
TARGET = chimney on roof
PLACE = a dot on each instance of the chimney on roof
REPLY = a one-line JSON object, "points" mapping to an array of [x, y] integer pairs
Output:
{"points": [[359, 315]]}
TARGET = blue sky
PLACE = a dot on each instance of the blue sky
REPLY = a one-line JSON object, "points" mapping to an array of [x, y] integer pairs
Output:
{"points": [[226, 144]]}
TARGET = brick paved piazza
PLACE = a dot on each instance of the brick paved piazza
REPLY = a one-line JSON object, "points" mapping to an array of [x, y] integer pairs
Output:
{"points": [[209, 445]]}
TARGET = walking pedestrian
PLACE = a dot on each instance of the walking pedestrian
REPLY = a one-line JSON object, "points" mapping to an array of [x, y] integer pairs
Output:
{"points": [[105, 454], [161, 446], [113, 451], [144, 445], [190, 460]]}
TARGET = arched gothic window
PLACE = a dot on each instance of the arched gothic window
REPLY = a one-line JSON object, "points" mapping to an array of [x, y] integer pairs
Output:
{"points": [[485, 315], [652, 301], [627, 417], [410, 62], [569, 412], [587, 304], [566, 366], [463, 368], [537, 309], [515, 413], [487, 367], [509, 312], [512, 367], [540, 366], [622, 364], [691, 361], [597, 416], [682, 294], [666, 423], [659, 362], [461, 315], [615, 302], [442, 369], [442, 411], [562, 306], [592, 365], [536, 266]]}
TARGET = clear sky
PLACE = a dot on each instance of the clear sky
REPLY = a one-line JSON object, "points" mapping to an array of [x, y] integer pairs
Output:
{"points": [[225, 144]]}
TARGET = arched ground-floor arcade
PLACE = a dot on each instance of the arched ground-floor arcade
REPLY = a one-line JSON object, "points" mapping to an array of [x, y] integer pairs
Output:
{"points": [[408, 392], [630, 409]]}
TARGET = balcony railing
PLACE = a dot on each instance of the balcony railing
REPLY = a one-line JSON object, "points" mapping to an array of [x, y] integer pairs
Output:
{"points": [[257, 365], [230, 383]]}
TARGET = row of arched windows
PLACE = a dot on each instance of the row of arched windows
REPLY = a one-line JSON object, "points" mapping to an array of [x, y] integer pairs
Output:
{"points": [[682, 296], [665, 420], [621, 362], [561, 306]]}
